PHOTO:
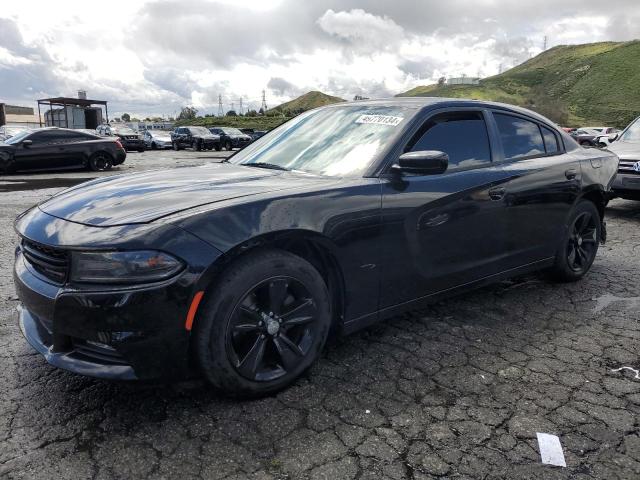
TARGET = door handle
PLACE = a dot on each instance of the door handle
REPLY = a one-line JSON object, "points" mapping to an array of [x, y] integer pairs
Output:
{"points": [[571, 174], [497, 193]]}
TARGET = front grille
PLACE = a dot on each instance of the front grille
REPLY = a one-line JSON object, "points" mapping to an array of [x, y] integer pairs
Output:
{"points": [[97, 352], [626, 166], [50, 262]]}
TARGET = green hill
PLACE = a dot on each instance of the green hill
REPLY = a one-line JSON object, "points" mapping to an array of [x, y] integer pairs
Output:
{"points": [[306, 102], [574, 85]]}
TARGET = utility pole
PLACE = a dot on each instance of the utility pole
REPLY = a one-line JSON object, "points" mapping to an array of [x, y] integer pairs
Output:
{"points": [[241, 112], [233, 106], [500, 68], [220, 109], [264, 102], [544, 45]]}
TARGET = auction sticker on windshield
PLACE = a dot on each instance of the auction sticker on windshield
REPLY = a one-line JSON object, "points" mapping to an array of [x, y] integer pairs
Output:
{"points": [[380, 119]]}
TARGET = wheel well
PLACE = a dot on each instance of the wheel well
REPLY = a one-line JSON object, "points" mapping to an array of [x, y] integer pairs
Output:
{"points": [[310, 247], [599, 199]]}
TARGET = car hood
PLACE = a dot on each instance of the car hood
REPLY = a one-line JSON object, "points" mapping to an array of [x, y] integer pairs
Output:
{"points": [[626, 150], [148, 196]]}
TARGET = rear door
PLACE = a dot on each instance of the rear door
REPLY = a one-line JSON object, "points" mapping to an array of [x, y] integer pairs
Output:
{"points": [[442, 231], [543, 184]]}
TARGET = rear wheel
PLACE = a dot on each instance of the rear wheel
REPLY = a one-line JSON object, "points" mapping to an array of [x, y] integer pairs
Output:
{"points": [[176, 147], [100, 161], [227, 145], [218, 147], [580, 244], [265, 323], [196, 145], [154, 146]]}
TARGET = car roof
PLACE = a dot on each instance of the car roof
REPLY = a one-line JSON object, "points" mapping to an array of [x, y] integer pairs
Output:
{"points": [[442, 102]]}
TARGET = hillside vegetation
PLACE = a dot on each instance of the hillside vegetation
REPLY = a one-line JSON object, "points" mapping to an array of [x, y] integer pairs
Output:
{"points": [[306, 102], [274, 116], [574, 85]]}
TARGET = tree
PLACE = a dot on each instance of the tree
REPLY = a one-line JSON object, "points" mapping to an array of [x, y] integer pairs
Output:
{"points": [[442, 81], [187, 113], [231, 113], [251, 113], [126, 117]]}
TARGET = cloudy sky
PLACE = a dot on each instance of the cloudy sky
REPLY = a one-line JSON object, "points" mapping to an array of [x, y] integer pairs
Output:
{"points": [[151, 57]]}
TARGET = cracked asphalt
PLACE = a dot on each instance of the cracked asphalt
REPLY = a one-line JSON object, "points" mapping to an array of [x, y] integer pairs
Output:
{"points": [[457, 390]]}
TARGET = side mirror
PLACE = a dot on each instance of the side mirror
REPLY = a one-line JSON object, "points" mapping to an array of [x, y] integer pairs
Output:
{"points": [[613, 137], [27, 143], [424, 162]]}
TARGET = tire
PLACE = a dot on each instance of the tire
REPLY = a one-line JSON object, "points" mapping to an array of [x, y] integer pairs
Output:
{"points": [[218, 147], [196, 145], [176, 147], [100, 161], [262, 354], [579, 247], [585, 144], [140, 150], [154, 146], [227, 145]]}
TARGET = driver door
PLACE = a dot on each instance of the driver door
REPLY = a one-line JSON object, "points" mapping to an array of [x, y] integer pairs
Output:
{"points": [[445, 230]]}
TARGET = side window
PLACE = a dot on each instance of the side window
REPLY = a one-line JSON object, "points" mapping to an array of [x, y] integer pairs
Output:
{"points": [[461, 135], [520, 137], [550, 141]]}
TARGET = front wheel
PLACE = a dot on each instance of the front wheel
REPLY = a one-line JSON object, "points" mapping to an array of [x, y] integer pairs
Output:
{"points": [[176, 147], [580, 243], [264, 324], [218, 147], [227, 145]]}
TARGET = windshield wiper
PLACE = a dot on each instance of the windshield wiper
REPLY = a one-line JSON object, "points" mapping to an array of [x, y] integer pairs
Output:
{"points": [[272, 166]]}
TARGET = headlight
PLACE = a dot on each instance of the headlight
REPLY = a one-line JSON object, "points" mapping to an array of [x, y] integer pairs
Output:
{"points": [[123, 267]]}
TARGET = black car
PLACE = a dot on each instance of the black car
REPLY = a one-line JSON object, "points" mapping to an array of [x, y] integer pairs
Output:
{"points": [[341, 217], [197, 138], [254, 134], [59, 148], [231, 137], [129, 138]]}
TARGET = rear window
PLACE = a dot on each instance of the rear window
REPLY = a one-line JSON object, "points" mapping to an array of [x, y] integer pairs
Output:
{"points": [[550, 141], [520, 138]]}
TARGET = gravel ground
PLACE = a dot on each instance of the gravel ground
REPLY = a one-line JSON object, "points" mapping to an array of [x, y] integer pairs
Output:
{"points": [[458, 390]]}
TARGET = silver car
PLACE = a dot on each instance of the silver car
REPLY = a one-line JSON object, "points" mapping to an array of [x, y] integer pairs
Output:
{"points": [[627, 146], [155, 139]]}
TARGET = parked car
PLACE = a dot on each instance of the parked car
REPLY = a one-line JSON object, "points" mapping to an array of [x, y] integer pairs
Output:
{"points": [[155, 139], [197, 138], [130, 139], [8, 131], [603, 130], [239, 270], [627, 146], [231, 137], [586, 138], [59, 148], [254, 134]]}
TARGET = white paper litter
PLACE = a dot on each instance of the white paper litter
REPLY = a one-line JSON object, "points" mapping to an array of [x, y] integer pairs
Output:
{"points": [[636, 372], [551, 450]]}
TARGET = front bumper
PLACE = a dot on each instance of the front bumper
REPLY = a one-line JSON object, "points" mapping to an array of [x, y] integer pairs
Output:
{"points": [[623, 183], [121, 334], [129, 144]]}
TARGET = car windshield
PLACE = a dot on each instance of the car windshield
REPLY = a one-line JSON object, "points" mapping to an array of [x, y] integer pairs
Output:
{"points": [[199, 131], [334, 141], [18, 137], [632, 134], [232, 131], [159, 133]]}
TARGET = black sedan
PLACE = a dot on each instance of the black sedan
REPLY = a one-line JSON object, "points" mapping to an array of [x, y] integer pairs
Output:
{"points": [[59, 148], [231, 137], [197, 138], [337, 219]]}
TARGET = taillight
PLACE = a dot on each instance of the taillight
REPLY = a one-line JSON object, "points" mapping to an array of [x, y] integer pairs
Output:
{"points": [[119, 144]]}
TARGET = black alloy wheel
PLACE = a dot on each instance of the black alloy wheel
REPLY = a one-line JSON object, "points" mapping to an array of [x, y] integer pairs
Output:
{"points": [[583, 242], [100, 161], [227, 145], [263, 323], [218, 147], [196, 145], [176, 147], [579, 247], [154, 146], [272, 329]]}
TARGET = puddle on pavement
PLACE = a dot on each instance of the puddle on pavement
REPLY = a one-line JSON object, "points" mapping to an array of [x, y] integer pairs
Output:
{"points": [[7, 185]]}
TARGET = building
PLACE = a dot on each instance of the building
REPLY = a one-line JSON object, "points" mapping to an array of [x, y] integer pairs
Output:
{"points": [[464, 80], [74, 112], [18, 116]]}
